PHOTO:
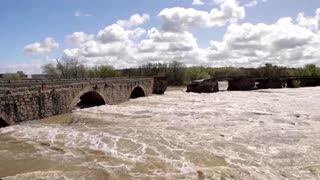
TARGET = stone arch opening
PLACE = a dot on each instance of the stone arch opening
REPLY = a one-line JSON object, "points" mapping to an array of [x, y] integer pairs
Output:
{"points": [[90, 99], [137, 92], [3, 123]]}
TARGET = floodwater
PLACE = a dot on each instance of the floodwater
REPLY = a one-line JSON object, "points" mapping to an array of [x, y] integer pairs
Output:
{"points": [[258, 135]]}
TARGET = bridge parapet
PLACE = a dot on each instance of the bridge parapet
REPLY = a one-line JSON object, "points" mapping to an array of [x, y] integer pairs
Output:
{"points": [[36, 85]]}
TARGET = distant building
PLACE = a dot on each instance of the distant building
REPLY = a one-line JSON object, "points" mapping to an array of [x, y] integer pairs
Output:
{"points": [[39, 76]]}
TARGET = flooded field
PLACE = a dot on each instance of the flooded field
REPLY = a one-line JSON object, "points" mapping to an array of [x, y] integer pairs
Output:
{"points": [[258, 135]]}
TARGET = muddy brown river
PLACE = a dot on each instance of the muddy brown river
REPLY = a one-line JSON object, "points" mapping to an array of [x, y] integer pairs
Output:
{"points": [[256, 135]]}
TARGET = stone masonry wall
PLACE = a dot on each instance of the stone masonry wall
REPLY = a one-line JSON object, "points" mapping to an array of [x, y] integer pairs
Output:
{"points": [[31, 101], [204, 86]]}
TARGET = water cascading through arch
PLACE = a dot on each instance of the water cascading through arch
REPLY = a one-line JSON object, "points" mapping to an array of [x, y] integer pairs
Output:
{"points": [[3, 123], [90, 99], [137, 93]]}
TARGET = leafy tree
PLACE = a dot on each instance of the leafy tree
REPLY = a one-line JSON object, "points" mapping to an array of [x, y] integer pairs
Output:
{"points": [[50, 70], [105, 71], [311, 69], [177, 73], [195, 73], [72, 69]]}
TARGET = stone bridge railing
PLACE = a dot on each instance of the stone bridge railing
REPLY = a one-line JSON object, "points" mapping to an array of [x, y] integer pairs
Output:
{"points": [[35, 85]]}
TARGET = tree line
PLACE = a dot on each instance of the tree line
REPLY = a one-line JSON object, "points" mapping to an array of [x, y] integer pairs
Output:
{"points": [[14, 76], [176, 72], [72, 69]]}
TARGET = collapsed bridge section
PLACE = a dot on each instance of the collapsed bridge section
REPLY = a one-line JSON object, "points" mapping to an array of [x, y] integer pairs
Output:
{"points": [[246, 83]]}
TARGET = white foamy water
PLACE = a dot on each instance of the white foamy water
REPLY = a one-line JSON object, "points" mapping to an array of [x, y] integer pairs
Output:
{"points": [[265, 134]]}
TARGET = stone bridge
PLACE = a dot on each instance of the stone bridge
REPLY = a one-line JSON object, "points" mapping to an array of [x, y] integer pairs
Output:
{"points": [[245, 83], [25, 100]]}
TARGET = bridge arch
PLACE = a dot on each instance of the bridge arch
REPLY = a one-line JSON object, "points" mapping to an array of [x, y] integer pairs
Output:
{"points": [[3, 123], [88, 98], [137, 92]]}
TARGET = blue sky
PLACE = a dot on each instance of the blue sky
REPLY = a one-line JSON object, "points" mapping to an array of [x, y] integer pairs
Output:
{"points": [[199, 39]]}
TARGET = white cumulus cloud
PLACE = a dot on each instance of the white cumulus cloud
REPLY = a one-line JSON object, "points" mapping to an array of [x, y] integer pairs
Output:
{"points": [[112, 33], [252, 3], [246, 3], [47, 46], [284, 43], [180, 19], [113, 45], [135, 20], [288, 42], [197, 2], [318, 18], [77, 38], [164, 46]]}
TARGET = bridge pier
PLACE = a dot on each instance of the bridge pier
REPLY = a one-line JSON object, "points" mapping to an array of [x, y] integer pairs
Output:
{"points": [[309, 82], [303, 82], [204, 86], [160, 85], [269, 83], [241, 84]]}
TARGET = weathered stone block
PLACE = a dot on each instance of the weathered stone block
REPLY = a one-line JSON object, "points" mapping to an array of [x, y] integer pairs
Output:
{"points": [[160, 85], [203, 86]]}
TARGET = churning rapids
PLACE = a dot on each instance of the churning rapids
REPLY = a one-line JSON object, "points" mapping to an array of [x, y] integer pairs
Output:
{"points": [[264, 134]]}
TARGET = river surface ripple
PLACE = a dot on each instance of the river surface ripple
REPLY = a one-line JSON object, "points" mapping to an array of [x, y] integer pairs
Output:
{"points": [[264, 134]]}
